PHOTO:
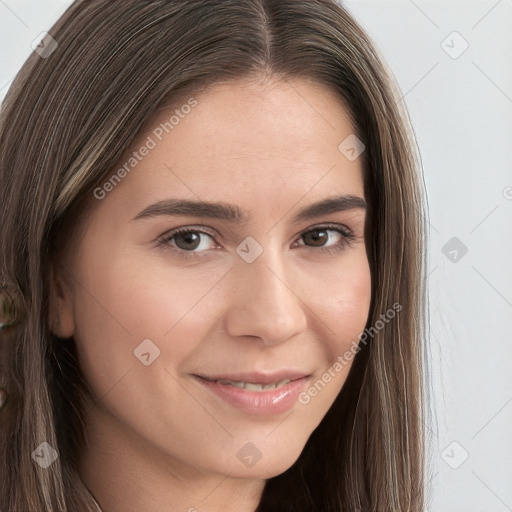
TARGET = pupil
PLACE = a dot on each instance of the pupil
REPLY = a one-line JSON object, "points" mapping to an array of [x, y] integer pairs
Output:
{"points": [[190, 239], [318, 235]]}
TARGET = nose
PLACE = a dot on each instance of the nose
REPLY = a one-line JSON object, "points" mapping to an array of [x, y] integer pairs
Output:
{"points": [[264, 303]]}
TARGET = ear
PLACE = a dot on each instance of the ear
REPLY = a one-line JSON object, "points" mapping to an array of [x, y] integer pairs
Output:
{"points": [[61, 318]]}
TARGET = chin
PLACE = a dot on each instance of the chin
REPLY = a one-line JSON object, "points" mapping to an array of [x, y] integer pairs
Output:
{"points": [[265, 469]]}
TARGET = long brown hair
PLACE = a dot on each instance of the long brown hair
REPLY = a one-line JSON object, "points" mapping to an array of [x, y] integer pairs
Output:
{"points": [[66, 121]]}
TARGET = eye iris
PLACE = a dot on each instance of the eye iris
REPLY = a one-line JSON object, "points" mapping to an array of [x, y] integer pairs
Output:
{"points": [[191, 240], [318, 236]]}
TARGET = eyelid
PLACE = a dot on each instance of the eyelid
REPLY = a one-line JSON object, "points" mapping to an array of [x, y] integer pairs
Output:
{"points": [[348, 236], [167, 236], [345, 231]]}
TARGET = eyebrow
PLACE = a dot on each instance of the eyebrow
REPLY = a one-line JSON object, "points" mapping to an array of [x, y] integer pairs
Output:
{"points": [[232, 213]]}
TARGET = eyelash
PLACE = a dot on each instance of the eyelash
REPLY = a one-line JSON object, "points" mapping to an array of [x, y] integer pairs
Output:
{"points": [[347, 240]]}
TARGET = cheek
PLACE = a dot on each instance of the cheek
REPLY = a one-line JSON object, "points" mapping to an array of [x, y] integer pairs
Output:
{"points": [[124, 301], [344, 302], [343, 308]]}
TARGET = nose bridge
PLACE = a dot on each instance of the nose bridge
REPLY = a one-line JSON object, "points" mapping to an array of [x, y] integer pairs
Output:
{"points": [[265, 304], [267, 277]]}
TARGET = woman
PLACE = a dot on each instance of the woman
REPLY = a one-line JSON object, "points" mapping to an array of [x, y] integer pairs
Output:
{"points": [[212, 260]]}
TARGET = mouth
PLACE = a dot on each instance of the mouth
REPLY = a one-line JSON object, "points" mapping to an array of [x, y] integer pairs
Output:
{"points": [[249, 386], [257, 393]]}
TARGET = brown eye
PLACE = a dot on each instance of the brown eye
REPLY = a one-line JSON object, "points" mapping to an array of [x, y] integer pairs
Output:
{"points": [[316, 237], [187, 241], [323, 239]]}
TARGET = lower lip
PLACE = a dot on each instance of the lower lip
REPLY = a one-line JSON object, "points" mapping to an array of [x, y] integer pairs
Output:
{"points": [[260, 403]]}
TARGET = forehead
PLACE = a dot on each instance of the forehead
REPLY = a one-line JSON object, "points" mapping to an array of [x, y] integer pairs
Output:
{"points": [[248, 143]]}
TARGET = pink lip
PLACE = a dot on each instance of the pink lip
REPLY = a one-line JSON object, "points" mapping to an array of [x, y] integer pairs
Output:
{"points": [[259, 403]]}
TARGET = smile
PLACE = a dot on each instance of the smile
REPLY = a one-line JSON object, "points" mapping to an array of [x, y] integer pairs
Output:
{"points": [[252, 386], [256, 395]]}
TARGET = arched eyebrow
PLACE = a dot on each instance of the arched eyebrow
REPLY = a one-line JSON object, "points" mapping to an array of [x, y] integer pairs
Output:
{"points": [[232, 213]]}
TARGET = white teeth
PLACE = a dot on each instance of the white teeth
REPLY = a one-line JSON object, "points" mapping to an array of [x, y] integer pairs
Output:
{"points": [[256, 387], [249, 386]]}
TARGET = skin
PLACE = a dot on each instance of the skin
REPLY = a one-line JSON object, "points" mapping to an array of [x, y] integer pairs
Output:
{"points": [[157, 439]]}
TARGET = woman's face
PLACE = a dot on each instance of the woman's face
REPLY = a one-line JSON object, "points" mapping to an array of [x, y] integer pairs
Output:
{"points": [[259, 299]]}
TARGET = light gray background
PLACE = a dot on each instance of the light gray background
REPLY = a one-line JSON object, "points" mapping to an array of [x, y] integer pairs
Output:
{"points": [[461, 110]]}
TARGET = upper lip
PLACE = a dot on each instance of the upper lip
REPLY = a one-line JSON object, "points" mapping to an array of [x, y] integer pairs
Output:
{"points": [[258, 377]]}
